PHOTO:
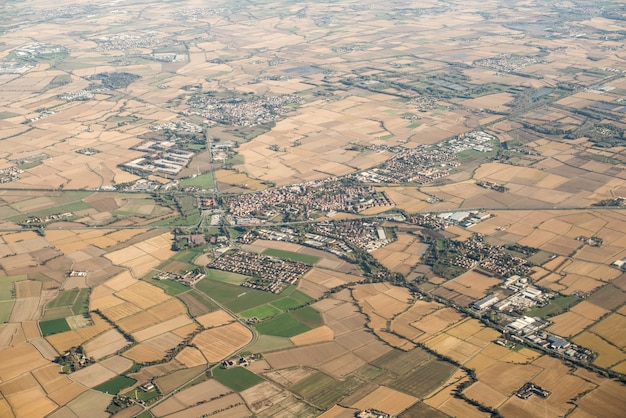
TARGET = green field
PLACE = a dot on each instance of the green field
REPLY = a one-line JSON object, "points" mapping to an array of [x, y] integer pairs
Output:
{"points": [[187, 256], [74, 300], [143, 396], [236, 378], [53, 326], [282, 326], [322, 390], [226, 276], [556, 306], [81, 303], [171, 287], [308, 316], [288, 255], [116, 384], [64, 298], [7, 289], [205, 181], [5, 310], [261, 312], [287, 303], [238, 298]]}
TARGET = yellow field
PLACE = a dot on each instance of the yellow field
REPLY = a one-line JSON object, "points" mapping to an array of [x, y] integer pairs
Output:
{"points": [[386, 400], [215, 319], [218, 343], [608, 355], [316, 335]]}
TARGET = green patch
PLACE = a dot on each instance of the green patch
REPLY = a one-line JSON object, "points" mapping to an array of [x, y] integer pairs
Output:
{"points": [[64, 298], [5, 310], [288, 255], [171, 287], [322, 390], [282, 326], [261, 312], [7, 288], [286, 304], [141, 395], [239, 298], [116, 384], [226, 276], [7, 115], [53, 326], [205, 181], [81, 303], [556, 306], [308, 316], [540, 258], [236, 378], [413, 125], [236, 159], [368, 372], [188, 256]]}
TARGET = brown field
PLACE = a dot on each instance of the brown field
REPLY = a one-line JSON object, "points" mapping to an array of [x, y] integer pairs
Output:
{"points": [[339, 412], [316, 335], [608, 355], [25, 309], [306, 356], [558, 379], [401, 255], [588, 310], [169, 382], [220, 407], [90, 404], [569, 324], [117, 364], [161, 328], [218, 343], [191, 357], [93, 375], [215, 319], [105, 344], [262, 396], [486, 395], [27, 289], [606, 401], [143, 295], [143, 354], [386, 400], [612, 329], [328, 278], [453, 347], [289, 376], [138, 321], [163, 342], [472, 284], [343, 365], [119, 311], [30, 403], [44, 347], [19, 359], [199, 393]]}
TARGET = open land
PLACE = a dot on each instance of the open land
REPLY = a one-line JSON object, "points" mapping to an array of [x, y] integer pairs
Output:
{"points": [[408, 185]]}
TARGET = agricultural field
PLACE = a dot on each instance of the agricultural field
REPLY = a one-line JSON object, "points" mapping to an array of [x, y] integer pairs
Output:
{"points": [[133, 134]]}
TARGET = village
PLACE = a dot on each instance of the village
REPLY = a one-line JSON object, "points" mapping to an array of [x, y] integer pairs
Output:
{"points": [[269, 274]]}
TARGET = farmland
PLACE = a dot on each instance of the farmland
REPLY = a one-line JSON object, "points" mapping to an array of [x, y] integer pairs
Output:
{"points": [[381, 166]]}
